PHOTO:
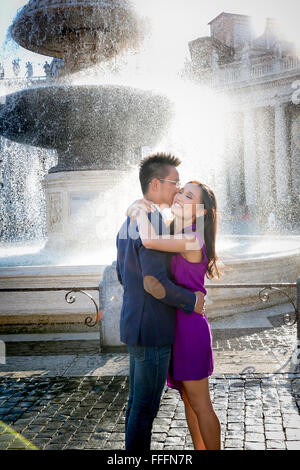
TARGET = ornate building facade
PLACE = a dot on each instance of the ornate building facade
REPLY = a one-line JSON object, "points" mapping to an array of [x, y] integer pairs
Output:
{"points": [[261, 78]]}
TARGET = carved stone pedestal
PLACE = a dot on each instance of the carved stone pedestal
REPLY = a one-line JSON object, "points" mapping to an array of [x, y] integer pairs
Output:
{"points": [[82, 212]]}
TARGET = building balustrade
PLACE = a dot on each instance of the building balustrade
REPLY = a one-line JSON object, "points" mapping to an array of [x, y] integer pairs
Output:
{"points": [[25, 79], [238, 72]]}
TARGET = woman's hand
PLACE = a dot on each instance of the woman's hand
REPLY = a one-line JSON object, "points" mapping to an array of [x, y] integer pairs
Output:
{"points": [[138, 205]]}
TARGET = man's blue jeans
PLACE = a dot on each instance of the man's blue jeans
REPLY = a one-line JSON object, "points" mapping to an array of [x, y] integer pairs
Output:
{"points": [[147, 377]]}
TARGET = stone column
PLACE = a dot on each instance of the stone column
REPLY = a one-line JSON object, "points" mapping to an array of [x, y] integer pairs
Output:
{"points": [[295, 153], [234, 152], [250, 157], [221, 181], [1, 165], [265, 143], [281, 154]]}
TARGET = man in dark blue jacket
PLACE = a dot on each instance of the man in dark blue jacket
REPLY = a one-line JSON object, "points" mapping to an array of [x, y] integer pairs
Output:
{"points": [[147, 323]]}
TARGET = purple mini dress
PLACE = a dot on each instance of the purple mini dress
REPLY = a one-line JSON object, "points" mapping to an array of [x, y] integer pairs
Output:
{"points": [[192, 354]]}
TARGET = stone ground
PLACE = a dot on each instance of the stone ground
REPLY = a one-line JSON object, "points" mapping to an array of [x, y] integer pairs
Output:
{"points": [[61, 394]]}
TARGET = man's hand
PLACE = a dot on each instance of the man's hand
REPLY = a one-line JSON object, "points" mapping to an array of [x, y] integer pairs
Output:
{"points": [[200, 302]]}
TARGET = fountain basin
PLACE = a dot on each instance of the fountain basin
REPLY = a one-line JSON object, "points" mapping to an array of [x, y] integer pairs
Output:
{"points": [[253, 259], [91, 127], [35, 311], [82, 32]]}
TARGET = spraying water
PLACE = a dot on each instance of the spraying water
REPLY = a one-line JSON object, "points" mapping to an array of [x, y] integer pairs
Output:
{"points": [[105, 105]]}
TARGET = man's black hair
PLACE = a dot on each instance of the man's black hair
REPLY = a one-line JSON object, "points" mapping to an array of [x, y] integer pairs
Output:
{"points": [[156, 166]]}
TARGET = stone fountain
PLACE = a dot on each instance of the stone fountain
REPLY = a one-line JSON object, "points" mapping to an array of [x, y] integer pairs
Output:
{"points": [[82, 32], [98, 131]]}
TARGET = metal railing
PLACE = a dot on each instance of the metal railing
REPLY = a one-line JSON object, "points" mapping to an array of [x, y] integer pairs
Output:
{"points": [[69, 298], [288, 318]]}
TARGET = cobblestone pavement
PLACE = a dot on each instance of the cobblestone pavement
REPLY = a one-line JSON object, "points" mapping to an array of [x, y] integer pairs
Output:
{"points": [[255, 411], [72, 398], [276, 337]]}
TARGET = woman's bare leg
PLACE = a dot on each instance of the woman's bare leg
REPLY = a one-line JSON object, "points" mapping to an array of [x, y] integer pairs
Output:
{"points": [[197, 392], [193, 424]]}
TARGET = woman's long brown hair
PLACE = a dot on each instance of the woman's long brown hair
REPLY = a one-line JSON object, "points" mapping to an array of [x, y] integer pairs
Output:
{"points": [[210, 229]]}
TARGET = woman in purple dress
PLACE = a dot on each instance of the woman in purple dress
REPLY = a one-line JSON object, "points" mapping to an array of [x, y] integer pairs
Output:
{"points": [[194, 207]]}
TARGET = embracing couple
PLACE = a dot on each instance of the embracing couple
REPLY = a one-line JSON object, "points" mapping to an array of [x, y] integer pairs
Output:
{"points": [[163, 322]]}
